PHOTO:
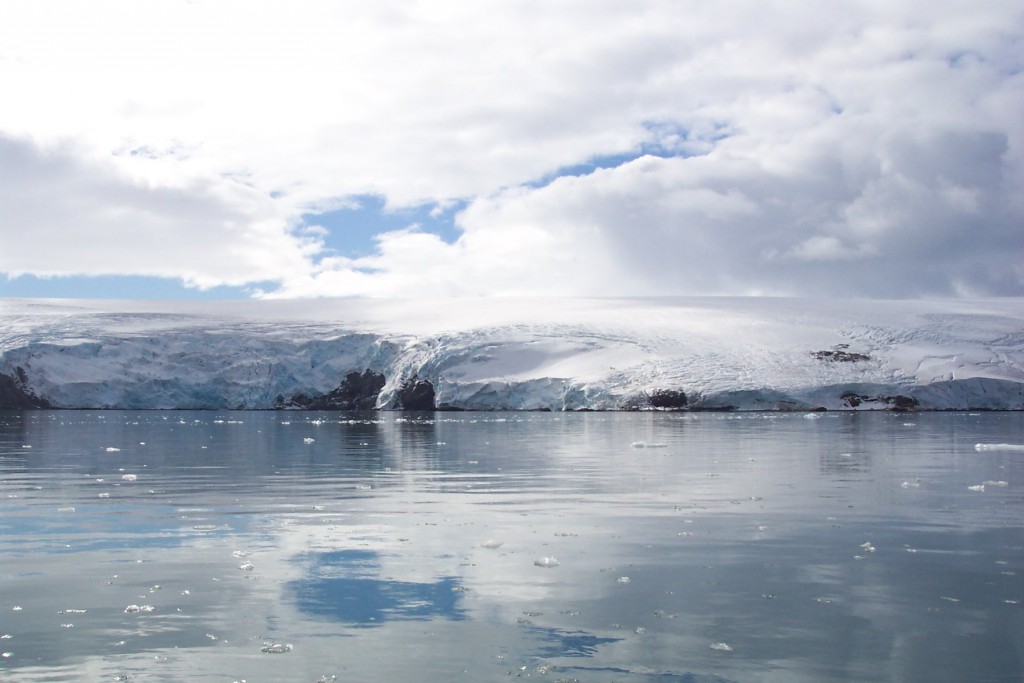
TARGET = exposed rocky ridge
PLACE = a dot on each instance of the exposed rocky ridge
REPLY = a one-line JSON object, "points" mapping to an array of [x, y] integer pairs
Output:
{"points": [[356, 392], [14, 394]]}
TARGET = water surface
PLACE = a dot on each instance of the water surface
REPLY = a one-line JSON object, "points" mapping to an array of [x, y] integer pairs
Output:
{"points": [[260, 546]]}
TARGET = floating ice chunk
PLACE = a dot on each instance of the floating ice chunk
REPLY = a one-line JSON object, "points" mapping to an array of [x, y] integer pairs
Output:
{"points": [[111, 449], [492, 544], [104, 495], [139, 609], [721, 647], [808, 416], [276, 648], [66, 508], [129, 477], [247, 566], [910, 485], [996, 483], [948, 599], [866, 545], [546, 562], [363, 487], [647, 444], [977, 488], [999, 447], [308, 439], [6, 655], [26, 445], [623, 579], [639, 630]]}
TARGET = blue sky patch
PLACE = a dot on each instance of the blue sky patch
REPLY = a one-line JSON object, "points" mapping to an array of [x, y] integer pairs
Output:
{"points": [[351, 231]]}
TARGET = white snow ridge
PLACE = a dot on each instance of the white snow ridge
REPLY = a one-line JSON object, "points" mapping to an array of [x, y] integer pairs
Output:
{"points": [[515, 354]]}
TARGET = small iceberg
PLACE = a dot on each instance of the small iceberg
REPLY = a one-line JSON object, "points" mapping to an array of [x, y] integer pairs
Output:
{"points": [[276, 648], [139, 609], [546, 562]]}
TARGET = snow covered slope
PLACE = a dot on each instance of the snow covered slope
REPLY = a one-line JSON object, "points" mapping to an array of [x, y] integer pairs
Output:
{"points": [[528, 354]]}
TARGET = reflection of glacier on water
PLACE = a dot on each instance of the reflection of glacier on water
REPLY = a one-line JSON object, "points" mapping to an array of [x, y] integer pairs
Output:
{"points": [[394, 544]]}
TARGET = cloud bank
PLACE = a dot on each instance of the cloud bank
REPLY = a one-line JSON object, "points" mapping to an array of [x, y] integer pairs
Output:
{"points": [[600, 148]]}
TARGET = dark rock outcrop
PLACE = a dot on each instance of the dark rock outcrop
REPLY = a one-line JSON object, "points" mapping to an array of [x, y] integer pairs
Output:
{"points": [[899, 402], [416, 394], [356, 392], [839, 354], [15, 394], [668, 399]]}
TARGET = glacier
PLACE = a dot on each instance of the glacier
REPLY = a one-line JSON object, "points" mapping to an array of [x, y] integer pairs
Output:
{"points": [[708, 353]]}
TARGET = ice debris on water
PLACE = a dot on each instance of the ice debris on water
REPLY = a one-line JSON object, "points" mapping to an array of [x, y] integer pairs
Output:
{"points": [[546, 562], [492, 544], [996, 483], [998, 447], [647, 444], [111, 449], [129, 477], [977, 488], [139, 609], [308, 439], [623, 579], [247, 566], [721, 647], [272, 648]]}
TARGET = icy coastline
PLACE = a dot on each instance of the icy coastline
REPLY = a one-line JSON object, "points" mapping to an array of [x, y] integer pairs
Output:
{"points": [[514, 354]]}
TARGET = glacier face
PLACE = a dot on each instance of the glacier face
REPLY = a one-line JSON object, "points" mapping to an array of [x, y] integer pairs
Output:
{"points": [[526, 354]]}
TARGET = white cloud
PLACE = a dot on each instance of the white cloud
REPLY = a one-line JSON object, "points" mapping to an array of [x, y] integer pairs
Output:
{"points": [[863, 149]]}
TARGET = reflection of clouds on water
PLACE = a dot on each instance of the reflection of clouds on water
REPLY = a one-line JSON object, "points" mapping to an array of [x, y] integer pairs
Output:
{"points": [[346, 586]]}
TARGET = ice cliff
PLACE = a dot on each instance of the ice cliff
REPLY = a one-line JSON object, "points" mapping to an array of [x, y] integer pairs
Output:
{"points": [[529, 354]]}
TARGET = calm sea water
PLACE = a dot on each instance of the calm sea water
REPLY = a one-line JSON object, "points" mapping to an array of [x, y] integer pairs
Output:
{"points": [[305, 547]]}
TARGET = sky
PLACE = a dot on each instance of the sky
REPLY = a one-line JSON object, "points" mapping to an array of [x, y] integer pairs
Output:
{"points": [[219, 149]]}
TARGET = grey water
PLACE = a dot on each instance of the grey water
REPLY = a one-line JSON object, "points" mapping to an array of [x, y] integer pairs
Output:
{"points": [[653, 547]]}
